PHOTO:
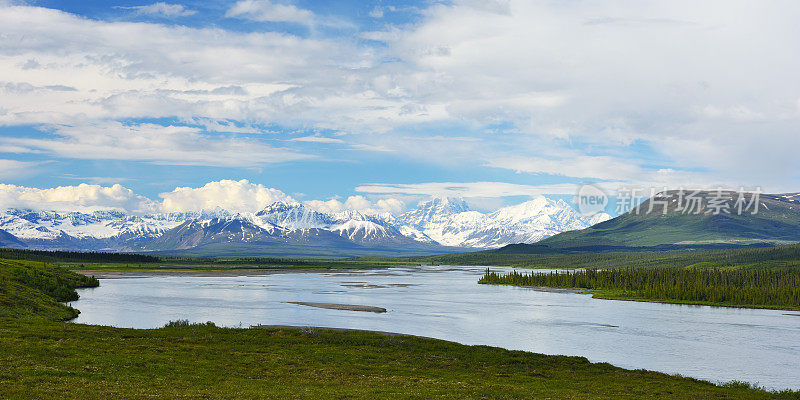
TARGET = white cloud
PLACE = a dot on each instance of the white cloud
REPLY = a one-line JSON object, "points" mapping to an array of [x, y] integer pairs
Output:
{"points": [[176, 145], [163, 9], [167, 71], [704, 86], [390, 205], [609, 76], [17, 149], [237, 196], [230, 195], [578, 167], [468, 189], [317, 139], [83, 197], [15, 169], [736, 113], [358, 203], [268, 11]]}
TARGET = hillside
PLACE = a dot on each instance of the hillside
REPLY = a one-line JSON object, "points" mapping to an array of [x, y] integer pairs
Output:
{"points": [[777, 221], [32, 288]]}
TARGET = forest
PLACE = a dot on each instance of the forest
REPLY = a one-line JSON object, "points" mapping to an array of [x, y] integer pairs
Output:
{"points": [[761, 288]]}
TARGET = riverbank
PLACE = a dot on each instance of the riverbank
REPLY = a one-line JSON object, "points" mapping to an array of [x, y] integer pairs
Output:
{"points": [[43, 358]]}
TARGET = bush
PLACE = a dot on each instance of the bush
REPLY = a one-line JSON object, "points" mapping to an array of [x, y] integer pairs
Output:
{"points": [[184, 323]]}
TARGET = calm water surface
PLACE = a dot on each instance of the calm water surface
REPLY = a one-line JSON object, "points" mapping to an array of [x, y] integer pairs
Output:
{"points": [[717, 344]]}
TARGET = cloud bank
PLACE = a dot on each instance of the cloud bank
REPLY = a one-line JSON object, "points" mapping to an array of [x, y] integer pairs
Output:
{"points": [[162, 9], [236, 196], [83, 197], [231, 195]]}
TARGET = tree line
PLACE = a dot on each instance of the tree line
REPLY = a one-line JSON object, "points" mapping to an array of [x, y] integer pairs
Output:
{"points": [[73, 256], [778, 287]]}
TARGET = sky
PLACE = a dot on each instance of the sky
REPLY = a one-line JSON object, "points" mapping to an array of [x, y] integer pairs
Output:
{"points": [[145, 105]]}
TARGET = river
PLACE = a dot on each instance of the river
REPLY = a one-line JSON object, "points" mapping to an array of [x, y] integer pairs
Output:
{"points": [[711, 343]]}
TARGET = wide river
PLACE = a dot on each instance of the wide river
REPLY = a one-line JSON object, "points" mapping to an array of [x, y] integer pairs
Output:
{"points": [[712, 343]]}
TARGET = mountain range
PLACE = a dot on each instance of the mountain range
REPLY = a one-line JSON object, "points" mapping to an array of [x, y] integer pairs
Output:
{"points": [[292, 228]]}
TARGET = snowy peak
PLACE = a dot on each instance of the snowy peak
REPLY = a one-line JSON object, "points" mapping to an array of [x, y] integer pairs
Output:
{"points": [[444, 206], [51, 225], [294, 216], [361, 230], [435, 210], [541, 212], [528, 210], [450, 222], [194, 233], [441, 221], [598, 218]]}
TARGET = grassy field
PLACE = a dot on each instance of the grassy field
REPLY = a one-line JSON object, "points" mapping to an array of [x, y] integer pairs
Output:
{"points": [[44, 358]]}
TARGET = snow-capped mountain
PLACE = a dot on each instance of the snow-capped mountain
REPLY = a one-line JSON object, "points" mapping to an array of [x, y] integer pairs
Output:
{"points": [[29, 224], [437, 225], [196, 233], [598, 218], [294, 215], [450, 222]]}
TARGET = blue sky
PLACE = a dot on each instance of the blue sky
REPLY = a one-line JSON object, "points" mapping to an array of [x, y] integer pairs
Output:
{"points": [[495, 101]]}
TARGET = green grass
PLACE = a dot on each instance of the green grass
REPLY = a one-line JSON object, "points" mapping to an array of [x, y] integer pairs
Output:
{"points": [[42, 358], [57, 360], [28, 287]]}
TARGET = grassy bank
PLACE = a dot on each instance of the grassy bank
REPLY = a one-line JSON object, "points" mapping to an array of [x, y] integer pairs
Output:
{"points": [[43, 358], [777, 288], [32, 288], [47, 360]]}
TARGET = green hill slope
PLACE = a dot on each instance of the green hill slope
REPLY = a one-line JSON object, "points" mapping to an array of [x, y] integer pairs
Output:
{"points": [[33, 288], [776, 221]]}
